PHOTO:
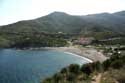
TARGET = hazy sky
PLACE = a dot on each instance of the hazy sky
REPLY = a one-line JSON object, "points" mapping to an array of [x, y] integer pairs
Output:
{"points": [[15, 10]]}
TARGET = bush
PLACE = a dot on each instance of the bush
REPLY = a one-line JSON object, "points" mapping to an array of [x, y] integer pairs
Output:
{"points": [[96, 66], [71, 77], [106, 64], [117, 64], [47, 80], [74, 68], [63, 71], [82, 77], [57, 77], [87, 68]]}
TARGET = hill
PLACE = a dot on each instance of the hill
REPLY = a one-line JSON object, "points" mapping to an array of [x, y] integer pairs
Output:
{"points": [[62, 22]]}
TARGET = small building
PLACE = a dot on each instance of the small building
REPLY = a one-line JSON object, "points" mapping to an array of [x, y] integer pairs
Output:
{"points": [[84, 41]]}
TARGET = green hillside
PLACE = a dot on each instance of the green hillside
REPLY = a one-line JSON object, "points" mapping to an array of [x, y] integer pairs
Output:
{"points": [[60, 27], [62, 22]]}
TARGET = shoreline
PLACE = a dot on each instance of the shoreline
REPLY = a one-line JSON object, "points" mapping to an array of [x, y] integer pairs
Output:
{"points": [[90, 61], [89, 54]]}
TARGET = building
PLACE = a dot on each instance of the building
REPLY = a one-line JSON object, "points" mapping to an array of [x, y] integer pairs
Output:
{"points": [[84, 41]]}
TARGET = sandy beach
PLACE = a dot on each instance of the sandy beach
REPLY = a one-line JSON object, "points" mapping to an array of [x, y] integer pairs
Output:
{"points": [[89, 54], [90, 61]]}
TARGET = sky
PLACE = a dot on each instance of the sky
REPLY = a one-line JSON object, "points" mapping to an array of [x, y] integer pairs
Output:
{"points": [[15, 10]]}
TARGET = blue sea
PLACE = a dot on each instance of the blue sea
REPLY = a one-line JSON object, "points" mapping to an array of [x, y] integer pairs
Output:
{"points": [[31, 66]]}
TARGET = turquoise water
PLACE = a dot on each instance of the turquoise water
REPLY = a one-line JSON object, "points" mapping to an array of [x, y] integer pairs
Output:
{"points": [[30, 66]]}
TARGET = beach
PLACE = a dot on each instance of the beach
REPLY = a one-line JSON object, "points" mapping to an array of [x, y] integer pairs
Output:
{"points": [[90, 54], [90, 61]]}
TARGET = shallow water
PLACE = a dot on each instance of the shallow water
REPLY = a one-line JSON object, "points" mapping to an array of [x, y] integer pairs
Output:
{"points": [[30, 66]]}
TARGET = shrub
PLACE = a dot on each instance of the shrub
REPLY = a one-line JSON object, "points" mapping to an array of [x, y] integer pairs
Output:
{"points": [[71, 77], [117, 64], [57, 77], [106, 64], [47, 80], [74, 68], [96, 66], [63, 71], [87, 68]]}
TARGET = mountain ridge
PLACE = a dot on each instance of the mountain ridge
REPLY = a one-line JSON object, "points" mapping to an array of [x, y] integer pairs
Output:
{"points": [[63, 22]]}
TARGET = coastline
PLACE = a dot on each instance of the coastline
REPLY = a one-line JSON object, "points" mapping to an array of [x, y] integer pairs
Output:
{"points": [[90, 54], [90, 61]]}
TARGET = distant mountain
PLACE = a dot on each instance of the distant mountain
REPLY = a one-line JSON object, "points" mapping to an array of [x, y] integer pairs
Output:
{"points": [[62, 22], [121, 13]]}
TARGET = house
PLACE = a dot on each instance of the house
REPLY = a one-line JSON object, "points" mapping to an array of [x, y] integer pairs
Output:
{"points": [[87, 40]]}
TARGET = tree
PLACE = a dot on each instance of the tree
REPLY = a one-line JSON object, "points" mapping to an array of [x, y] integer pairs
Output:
{"points": [[117, 64], [57, 77], [87, 68], [71, 77], [96, 66], [106, 64], [47, 80], [63, 71], [74, 68]]}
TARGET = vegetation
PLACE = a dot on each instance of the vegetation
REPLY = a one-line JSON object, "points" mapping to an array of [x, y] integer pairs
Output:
{"points": [[75, 73], [111, 41], [55, 28], [27, 40], [4, 42], [114, 75], [43, 39], [97, 25]]}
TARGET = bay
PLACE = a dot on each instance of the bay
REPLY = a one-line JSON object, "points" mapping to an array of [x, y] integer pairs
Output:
{"points": [[31, 66]]}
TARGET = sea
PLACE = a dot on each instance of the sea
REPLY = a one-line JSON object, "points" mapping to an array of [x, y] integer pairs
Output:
{"points": [[32, 66]]}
